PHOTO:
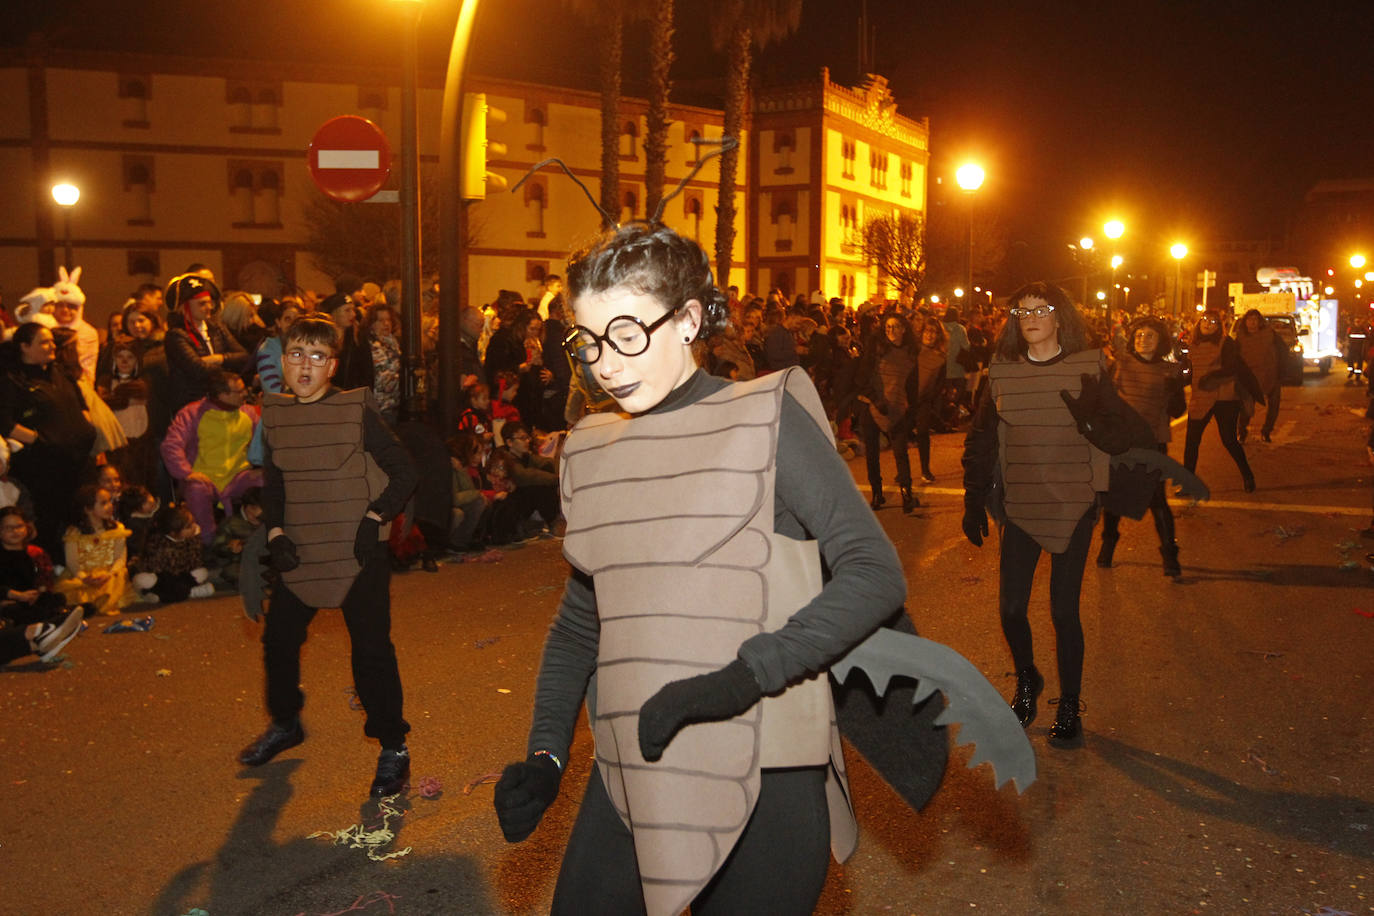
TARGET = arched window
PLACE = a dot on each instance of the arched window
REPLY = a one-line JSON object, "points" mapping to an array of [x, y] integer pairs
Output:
{"points": [[536, 202], [133, 95], [242, 196], [240, 108], [265, 106], [267, 200], [138, 183], [628, 135], [786, 219], [691, 208], [695, 148], [629, 205], [538, 119]]}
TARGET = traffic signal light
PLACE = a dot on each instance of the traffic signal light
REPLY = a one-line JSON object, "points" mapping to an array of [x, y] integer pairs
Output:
{"points": [[478, 147]]}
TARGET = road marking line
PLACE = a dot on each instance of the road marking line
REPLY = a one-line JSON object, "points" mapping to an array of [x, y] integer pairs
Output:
{"points": [[1208, 504], [349, 159]]}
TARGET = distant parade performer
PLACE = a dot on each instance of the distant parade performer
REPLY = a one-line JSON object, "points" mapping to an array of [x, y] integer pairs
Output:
{"points": [[334, 474], [1027, 461], [1220, 379], [1153, 387], [1262, 351]]}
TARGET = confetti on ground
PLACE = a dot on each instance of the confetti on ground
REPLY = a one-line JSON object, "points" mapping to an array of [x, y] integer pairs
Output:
{"points": [[1252, 757], [364, 902], [1366, 614], [971, 580], [197, 912], [1262, 653], [353, 702], [539, 590], [356, 836], [430, 787], [1349, 564], [483, 643], [503, 690], [1328, 911], [485, 779], [491, 556], [164, 672], [1284, 534]]}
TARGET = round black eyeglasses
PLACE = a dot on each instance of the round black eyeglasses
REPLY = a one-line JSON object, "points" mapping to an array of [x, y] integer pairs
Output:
{"points": [[625, 334]]}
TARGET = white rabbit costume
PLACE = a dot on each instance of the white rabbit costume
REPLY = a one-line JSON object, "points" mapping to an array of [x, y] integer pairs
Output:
{"points": [[87, 338]]}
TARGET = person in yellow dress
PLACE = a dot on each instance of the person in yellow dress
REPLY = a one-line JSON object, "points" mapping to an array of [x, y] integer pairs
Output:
{"points": [[96, 569]]}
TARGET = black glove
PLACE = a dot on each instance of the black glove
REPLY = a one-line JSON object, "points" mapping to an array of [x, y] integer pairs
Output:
{"points": [[365, 541], [523, 793], [882, 407], [283, 552], [710, 697], [975, 521]]}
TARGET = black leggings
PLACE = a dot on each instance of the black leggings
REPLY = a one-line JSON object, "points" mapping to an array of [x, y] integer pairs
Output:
{"points": [[898, 434], [1020, 555], [777, 867], [1226, 413]]}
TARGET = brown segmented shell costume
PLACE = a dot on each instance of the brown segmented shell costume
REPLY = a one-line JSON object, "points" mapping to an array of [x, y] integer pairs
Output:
{"points": [[330, 481], [672, 514]]}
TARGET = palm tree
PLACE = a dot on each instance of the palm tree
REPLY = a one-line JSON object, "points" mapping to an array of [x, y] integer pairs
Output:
{"points": [[739, 27], [609, 17], [660, 15]]}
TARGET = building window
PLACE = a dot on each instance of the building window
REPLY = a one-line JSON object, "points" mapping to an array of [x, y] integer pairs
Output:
{"points": [[877, 169], [629, 203], [692, 208], [253, 107], [133, 99], [537, 118], [255, 191], [848, 153], [691, 134], [144, 265], [536, 201], [371, 103], [138, 188], [906, 173], [267, 199], [784, 147], [628, 135]]}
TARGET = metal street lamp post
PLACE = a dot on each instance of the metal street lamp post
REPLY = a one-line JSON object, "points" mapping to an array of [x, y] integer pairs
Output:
{"points": [[66, 195], [412, 380], [1114, 229], [969, 176], [1179, 251]]}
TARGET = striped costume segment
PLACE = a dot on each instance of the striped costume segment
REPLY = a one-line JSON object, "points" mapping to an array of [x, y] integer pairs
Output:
{"points": [[330, 481], [1051, 473], [672, 514], [1145, 386]]}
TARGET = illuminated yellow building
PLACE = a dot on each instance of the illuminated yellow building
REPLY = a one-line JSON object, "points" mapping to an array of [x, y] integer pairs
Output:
{"points": [[194, 159], [827, 158]]}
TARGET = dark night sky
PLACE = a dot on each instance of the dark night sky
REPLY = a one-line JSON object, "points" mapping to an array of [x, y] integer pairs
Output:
{"points": [[1187, 119]]}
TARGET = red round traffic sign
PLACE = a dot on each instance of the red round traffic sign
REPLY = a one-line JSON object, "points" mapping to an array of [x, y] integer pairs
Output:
{"points": [[349, 158]]}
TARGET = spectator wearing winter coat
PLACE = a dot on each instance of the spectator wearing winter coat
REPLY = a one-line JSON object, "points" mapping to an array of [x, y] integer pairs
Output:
{"points": [[196, 342]]}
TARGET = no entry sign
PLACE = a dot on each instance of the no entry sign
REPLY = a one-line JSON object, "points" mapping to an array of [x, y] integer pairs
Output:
{"points": [[349, 158]]}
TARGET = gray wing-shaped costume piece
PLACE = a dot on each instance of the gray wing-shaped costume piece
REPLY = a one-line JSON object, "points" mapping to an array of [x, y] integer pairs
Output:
{"points": [[984, 716], [253, 569], [1152, 460], [1135, 476]]}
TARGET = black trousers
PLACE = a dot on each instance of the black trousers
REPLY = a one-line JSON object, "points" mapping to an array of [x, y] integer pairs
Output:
{"points": [[1226, 413], [367, 614], [777, 867], [1020, 556], [1271, 412], [899, 434]]}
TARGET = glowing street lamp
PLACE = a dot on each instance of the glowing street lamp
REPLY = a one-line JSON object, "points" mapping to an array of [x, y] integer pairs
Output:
{"points": [[958, 292], [66, 195], [1086, 243], [1356, 260], [1179, 251], [969, 177], [935, 298], [1114, 229]]}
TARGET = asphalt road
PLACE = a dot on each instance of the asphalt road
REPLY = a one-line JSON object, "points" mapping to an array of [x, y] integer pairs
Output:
{"points": [[1229, 763]]}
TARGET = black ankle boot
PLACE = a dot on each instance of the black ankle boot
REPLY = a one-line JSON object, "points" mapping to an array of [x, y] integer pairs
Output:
{"points": [[1170, 554], [1029, 683], [1067, 731], [1104, 555], [1247, 482], [909, 500], [877, 501]]}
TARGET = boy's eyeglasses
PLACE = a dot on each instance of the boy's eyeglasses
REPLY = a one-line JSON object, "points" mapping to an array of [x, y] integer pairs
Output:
{"points": [[626, 334], [1040, 311], [299, 358]]}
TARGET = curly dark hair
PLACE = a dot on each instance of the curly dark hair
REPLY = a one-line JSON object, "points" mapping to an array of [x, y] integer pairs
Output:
{"points": [[653, 260], [1073, 331]]}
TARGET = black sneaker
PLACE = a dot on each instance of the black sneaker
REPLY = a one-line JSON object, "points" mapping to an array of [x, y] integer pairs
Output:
{"points": [[271, 743], [393, 768], [53, 638]]}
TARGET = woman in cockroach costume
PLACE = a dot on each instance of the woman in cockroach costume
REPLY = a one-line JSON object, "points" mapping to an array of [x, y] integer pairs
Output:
{"points": [[697, 623]]}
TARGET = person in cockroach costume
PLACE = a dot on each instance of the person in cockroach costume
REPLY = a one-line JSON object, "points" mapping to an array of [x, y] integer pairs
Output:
{"points": [[1153, 387], [698, 623]]}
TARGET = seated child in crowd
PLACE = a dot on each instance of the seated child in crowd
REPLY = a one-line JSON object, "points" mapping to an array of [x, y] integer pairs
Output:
{"points": [[135, 511], [477, 417], [226, 549], [171, 569], [469, 504], [96, 569], [32, 616], [127, 395]]}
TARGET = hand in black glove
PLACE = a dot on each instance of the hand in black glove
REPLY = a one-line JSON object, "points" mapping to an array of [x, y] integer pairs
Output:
{"points": [[524, 792], [882, 407], [1085, 406], [710, 697], [283, 552], [365, 541], [975, 521]]}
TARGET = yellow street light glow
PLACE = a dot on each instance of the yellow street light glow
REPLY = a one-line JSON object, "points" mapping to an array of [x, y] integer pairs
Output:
{"points": [[1117, 261], [1086, 243], [1357, 261], [1101, 295], [65, 194], [969, 176], [1369, 275], [1328, 290], [935, 298], [958, 292], [1114, 228], [1179, 250], [1199, 306], [1359, 283]]}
